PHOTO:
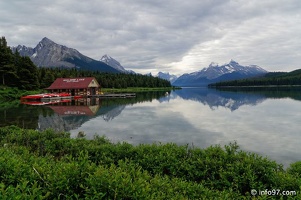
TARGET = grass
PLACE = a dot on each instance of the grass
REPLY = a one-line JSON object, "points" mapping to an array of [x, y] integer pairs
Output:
{"points": [[10, 96], [12, 93]]}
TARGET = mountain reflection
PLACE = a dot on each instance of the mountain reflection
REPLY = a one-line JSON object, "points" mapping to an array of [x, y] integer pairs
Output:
{"points": [[66, 116], [234, 98], [215, 98], [71, 115]]}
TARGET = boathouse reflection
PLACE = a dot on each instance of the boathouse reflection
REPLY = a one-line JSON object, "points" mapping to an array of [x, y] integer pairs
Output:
{"points": [[85, 106]]}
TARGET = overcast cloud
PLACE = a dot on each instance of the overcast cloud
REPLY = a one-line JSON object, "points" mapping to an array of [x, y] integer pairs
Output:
{"points": [[173, 36]]}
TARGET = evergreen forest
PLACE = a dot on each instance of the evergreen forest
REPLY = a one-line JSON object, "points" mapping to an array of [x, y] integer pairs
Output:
{"points": [[269, 79], [21, 72]]}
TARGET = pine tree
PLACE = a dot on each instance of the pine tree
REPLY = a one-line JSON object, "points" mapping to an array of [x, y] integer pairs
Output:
{"points": [[28, 74], [47, 80], [7, 68]]}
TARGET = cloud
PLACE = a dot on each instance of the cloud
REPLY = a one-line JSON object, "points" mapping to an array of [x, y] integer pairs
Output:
{"points": [[172, 35]]}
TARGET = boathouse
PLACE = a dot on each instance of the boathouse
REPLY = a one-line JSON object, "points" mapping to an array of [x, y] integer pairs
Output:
{"points": [[84, 86]]}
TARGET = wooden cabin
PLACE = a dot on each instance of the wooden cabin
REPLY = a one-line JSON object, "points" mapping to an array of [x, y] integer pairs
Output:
{"points": [[84, 86]]}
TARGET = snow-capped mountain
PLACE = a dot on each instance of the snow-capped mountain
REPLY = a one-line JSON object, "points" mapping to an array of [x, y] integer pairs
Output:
{"points": [[49, 54], [215, 73], [167, 76], [115, 64]]}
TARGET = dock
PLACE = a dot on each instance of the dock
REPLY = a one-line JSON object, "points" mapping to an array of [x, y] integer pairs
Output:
{"points": [[47, 99], [114, 95]]}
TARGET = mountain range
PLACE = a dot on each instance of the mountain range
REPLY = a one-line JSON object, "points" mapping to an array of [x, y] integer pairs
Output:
{"points": [[215, 73], [170, 77], [50, 54]]}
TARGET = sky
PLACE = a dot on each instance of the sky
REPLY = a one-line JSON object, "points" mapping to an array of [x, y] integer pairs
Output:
{"points": [[172, 36]]}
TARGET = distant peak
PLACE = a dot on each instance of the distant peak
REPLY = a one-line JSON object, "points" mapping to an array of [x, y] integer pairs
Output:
{"points": [[233, 62], [46, 40], [163, 73], [213, 64], [106, 57]]}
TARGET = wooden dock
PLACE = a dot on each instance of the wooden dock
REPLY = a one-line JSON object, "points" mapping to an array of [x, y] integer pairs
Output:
{"points": [[114, 95], [48, 99]]}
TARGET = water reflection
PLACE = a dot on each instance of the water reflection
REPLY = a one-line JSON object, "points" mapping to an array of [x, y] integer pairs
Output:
{"points": [[24, 116], [204, 117], [265, 121], [68, 115], [218, 98], [65, 116]]}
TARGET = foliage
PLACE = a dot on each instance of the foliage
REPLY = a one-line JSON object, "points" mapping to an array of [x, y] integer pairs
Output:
{"points": [[272, 78], [13, 93], [51, 165], [15, 70], [295, 169]]}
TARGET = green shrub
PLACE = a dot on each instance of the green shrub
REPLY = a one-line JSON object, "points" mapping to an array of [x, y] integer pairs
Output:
{"points": [[295, 169], [58, 167], [24, 190], [130, 181]]}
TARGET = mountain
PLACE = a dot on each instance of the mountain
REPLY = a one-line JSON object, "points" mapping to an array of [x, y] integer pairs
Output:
{"points": [[24, 50], [167, 76], [115, 64], [49, 54], [215, 73]]}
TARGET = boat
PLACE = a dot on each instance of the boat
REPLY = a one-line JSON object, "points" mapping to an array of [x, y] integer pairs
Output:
{"points": [[45, 97]]}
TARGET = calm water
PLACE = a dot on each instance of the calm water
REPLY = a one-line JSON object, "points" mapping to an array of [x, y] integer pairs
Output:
{"points": [[265, 121]]}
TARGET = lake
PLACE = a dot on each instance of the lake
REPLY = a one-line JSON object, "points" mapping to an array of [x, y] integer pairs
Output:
{"points": [[260, 120]]}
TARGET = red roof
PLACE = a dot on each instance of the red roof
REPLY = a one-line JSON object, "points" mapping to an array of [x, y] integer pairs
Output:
{"points": [[72, 83]]}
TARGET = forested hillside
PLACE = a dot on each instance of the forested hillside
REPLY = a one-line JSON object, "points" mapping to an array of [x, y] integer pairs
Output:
{"points": [[272, 78], [18, 71]]}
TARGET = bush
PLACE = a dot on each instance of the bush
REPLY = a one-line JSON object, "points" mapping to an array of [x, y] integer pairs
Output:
{"points": [[295, 169], [50, 164]]}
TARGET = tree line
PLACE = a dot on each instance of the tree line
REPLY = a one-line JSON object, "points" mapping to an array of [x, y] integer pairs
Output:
{"points": [[21, 72], [271, 78], [106, 80]]}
